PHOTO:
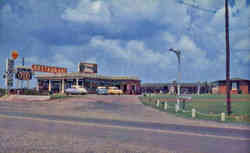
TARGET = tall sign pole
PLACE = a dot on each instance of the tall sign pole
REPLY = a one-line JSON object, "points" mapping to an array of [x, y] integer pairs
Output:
{"points": [[9, 74], [227, 59], [10, 68], [22, 80]]}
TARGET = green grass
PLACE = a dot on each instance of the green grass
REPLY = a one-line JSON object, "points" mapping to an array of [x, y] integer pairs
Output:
{"points": [[59, 96], [204, 96], [208, 110]]}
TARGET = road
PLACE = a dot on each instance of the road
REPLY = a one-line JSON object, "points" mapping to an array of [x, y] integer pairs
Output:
{"points": [[64, 127]]}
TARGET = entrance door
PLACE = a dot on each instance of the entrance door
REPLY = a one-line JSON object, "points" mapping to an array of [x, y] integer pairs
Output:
{"points": [[125, 88]]}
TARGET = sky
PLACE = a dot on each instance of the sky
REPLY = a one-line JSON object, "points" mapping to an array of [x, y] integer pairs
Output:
{"points": [[128, 37]]}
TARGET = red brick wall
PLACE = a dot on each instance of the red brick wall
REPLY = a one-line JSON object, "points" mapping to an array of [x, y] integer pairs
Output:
{"points": [[222, 89], [244, 89]]}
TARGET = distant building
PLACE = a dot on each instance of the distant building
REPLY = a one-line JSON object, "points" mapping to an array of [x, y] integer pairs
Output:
{"points": [[87, 77], [237, 86], [59, 82], [171, 88]]}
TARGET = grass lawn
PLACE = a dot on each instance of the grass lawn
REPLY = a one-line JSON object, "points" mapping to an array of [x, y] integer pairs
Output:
{"points": [[207, 110], [205, 96], [59, 96]]}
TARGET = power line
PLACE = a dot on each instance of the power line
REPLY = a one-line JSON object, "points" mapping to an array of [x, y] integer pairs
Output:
{"points": [[196, 6]]}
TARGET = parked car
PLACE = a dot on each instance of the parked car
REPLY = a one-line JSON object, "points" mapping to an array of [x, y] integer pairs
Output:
{"points": [[76, 90], [102, 91], [114, 90]]}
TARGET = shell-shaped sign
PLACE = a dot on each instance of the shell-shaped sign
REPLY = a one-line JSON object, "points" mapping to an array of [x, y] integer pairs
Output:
{"points": [[14, 54]]}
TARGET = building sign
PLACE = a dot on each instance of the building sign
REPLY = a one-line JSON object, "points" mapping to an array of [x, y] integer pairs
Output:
{"points": [[14, 54], [87, 68], [23, 73], [10, 67], [9, 79], [49, 69]]}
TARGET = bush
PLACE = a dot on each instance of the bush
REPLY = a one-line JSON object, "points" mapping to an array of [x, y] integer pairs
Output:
{"points": [[58, 96], [2, 92], [239, 92]]}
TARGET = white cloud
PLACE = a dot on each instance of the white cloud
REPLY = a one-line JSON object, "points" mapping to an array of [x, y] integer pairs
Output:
{"points": [[243, 56], [88, 11], [242, 44], [133, 51], [168, 37], [115, 14]]}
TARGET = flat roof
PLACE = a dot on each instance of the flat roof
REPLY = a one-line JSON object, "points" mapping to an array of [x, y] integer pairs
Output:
{"points": [[232, 80], [161, 85], [79, 75]]}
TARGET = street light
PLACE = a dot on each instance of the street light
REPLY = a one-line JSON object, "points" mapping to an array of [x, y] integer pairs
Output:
{"points": [[178, 54]]}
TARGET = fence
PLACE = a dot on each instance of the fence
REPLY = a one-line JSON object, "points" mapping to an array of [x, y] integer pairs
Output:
{"points": [[172, 107]]}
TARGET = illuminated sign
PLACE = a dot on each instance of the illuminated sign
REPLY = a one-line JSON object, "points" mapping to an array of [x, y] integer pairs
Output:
{"points": [[14, 54], [49, 69], [87, 68], [10, 68], [23, 73], [10, 65]]}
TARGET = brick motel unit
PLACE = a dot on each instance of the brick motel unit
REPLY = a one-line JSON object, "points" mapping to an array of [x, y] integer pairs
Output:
{"points": [[237, 86]]}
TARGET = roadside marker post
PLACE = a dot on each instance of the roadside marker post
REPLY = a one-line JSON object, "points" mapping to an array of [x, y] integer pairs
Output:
{"points": [[177, 107], [223, 116], [193, 113], [166, 105], [158, 103]]}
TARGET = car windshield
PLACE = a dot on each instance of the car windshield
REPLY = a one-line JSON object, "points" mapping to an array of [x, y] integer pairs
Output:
{"points": [[114, 88], [101, 87]]}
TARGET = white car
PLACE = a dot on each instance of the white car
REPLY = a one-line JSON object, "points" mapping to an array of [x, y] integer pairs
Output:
{"points": [[76, 90]]}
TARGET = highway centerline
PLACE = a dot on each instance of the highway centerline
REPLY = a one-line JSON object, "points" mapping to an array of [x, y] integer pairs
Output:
{"points": [[128, 125]]}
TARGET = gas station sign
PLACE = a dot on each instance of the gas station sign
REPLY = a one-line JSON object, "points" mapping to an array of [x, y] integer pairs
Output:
{"points": [[10, 65], [23, 73], [14, 54], [9, 72]]}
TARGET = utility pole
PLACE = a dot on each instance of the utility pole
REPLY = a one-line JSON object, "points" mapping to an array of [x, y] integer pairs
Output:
{"points": [[227, 59], [178, 54]]}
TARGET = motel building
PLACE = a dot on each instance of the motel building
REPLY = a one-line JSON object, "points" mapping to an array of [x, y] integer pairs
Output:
{"points": [[237, 86], [86, 77]]}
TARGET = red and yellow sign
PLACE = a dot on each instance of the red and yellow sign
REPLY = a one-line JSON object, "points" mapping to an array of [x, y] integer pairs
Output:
{"points": [[87, 68], [48, 69], [14, 54], [24, 75]]}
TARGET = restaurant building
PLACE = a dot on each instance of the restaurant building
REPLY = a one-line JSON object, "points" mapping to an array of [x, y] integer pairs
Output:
{"points": [[88, 78]]}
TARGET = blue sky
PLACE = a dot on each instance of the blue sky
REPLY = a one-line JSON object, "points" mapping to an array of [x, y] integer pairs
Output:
{"points": [[128, 37]]}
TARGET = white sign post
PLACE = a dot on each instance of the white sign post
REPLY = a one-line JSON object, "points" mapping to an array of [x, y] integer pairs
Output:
{"points": [[9, 73]]}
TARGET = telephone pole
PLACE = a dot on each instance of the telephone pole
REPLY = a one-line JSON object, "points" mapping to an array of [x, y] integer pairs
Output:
{"points": [[227, 59]]}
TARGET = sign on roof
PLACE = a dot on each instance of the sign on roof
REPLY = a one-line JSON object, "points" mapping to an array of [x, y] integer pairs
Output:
{"points": [[48, 69], [87, 68]]}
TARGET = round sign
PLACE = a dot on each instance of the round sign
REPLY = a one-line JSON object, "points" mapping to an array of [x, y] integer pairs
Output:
{"points": [[14, 54]]}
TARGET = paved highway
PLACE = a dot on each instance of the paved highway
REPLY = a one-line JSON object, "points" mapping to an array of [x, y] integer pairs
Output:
{"points": [[36, 132]]}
